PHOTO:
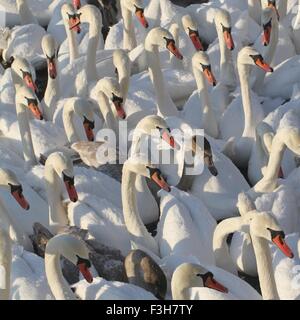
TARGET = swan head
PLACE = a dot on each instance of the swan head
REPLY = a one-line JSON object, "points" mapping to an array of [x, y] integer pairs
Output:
{"points": [[223, 25], [162, 38], [23, 70], [251, 57], [136, 7], [189, 275], [63, 166], [121, 62], [89, 13], [26, 97], [85, 110], [50, 48], [152, 123], [70, 17], [74, 250], [263, 225], [191, 29], [111, 89], [139, 165], [200, 61], [9, 182], [268, 18]]}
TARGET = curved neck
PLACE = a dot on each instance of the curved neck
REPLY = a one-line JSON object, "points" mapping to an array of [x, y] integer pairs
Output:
{"points": [[208, 114], [270, 180], [57, 283], [73, 47], [165, 105], [132, 217], [264, 268], [129, 40], [107, 114], [57, 212], [94, 36], [5, 265], [227, 73], [25, 13], [220, 246], [124, 81], [52, 95], [69, 126], [244, 74], [25, 133]]}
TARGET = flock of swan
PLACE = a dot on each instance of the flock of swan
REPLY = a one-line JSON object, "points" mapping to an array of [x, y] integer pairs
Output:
{"points": [[74, 225]]}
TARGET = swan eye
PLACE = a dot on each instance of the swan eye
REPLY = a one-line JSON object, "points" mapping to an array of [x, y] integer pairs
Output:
{"points": [[70, 180], [268, 25], [226, 29], [91, 124]]}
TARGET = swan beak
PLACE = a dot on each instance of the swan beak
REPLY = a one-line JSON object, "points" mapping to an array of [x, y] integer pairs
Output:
{"points": [[33, 106], [18, 195], [120, 110], [84, 270], [228, 40], [76, 4], [29, 82], [74, 24], [89, 131], [266, 35], [273, 6], [282, 245], [160, 181], [141, 17], [52, 69], [169, 139], [69, 183], [211, 283], [173, 49], [194, 36], [210, 77], [263, 65]]}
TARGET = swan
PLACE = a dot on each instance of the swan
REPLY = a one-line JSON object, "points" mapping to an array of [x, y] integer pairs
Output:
{"points": [[52, 92], [239, 148]]}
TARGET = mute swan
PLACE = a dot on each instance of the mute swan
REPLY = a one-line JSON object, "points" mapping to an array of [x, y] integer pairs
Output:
{"points": [[52, 92], [239, 147]]}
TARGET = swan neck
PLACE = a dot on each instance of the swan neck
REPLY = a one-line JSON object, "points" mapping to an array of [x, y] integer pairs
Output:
{"points": [[106, 111], [129, 39], [264, 268], [73, 47], [51, 97], [57, 212], [57, 283], [69, 125], [25, 133]]}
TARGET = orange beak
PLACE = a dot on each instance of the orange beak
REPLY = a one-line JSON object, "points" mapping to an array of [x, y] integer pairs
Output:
{"points": [[228, 40], [173, 49], [21, 199], [141, 17], [30, 83], [194, 36], [35, 110], [120, 110], [266, 36], [71, 191], [52, 69], [210, 77], [211, 283], [283, 247], [76, 4], [74, 24], [160, 181], [84, 270], [89, 132], [169, 139], [263, 65]]}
